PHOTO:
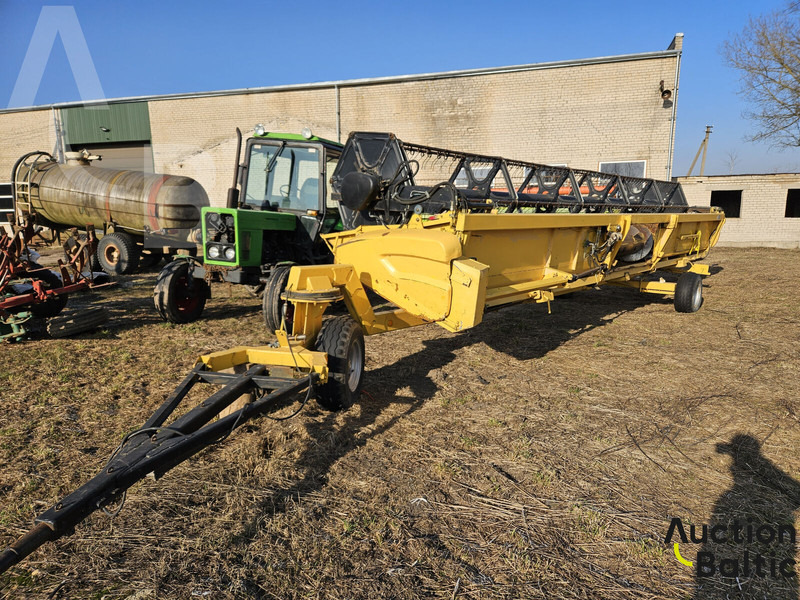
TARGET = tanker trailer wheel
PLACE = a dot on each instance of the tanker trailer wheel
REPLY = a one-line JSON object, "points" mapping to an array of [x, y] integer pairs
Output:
{"points": [[343, 341], [271, 305], [689, 293], [118, 254], [53, 306], [178, 296]]}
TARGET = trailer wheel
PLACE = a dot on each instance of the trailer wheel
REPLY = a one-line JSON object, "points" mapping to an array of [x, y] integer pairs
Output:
{"points": [[53, 306], [342, 339], [118, 254], [272, 305], [689, 293], [77, 322], [178, 296]]}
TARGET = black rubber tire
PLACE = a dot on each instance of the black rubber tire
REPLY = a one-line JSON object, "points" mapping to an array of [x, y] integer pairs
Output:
{"points": [[53, 306], [342, 339], [118, 253], [689, 293], [178, 296], [271, 303], [77, 322]]}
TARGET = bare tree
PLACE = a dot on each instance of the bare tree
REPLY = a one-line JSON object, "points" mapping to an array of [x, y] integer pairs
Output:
{"points": [[731, 159], [767, 53]]}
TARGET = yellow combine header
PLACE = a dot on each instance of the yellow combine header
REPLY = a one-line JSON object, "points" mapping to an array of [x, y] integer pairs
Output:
{"points": [[446, 253]]}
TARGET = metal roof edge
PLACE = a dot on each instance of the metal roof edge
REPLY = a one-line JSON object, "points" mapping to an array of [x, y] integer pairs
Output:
{"points": [[734, 175]]}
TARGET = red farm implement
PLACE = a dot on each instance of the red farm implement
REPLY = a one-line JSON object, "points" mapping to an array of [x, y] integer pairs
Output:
{"points": [[29, 291]]}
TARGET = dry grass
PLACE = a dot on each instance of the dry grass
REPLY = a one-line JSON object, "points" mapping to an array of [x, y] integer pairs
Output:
{"points": [[534, 456]]}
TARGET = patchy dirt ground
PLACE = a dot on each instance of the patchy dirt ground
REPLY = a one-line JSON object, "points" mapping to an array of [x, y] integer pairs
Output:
{"points": [[534, 456]]}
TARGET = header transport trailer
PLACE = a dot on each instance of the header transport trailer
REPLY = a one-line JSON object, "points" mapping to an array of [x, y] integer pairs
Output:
{"points": [[443, 236], [140, 213]]}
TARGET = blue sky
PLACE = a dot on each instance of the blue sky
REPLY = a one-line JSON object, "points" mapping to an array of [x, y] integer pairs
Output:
{"points": [[159, 47]]}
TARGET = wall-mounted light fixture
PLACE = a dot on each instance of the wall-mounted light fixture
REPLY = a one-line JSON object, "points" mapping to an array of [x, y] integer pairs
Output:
{"points": [[665, 93], [106, 129]]}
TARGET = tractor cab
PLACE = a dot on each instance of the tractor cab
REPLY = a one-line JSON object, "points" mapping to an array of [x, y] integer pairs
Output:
{"points": [[283, 206], [278, 207], [288, 173]]}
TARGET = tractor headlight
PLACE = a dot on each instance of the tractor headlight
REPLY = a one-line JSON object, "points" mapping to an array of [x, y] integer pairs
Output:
{"points": [[259, 129], [214, 252], [230, 254]]}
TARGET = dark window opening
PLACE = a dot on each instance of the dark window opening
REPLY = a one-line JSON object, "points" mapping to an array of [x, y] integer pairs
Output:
{"points": [[793, 204], [6, 200], [730, 201]]}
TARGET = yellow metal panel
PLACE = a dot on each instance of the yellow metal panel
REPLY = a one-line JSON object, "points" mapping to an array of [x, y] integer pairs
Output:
{"points": [[468, 279], [650, 287], [408, 267], [295, 356]]}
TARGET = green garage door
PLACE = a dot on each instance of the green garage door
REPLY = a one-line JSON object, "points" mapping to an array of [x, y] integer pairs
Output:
{"points": [[120, 133]]}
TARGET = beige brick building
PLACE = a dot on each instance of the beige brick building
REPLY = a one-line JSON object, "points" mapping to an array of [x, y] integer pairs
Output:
{"points": [[761, 210], [582, 113]]}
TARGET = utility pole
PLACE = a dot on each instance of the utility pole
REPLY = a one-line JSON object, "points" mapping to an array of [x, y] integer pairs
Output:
{"points": [[703, 147]]}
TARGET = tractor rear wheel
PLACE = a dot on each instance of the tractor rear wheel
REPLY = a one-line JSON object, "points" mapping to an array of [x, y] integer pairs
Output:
{"points": [[689, 293], [342, 339], [272, 306], [118, 253], [178, 296]]}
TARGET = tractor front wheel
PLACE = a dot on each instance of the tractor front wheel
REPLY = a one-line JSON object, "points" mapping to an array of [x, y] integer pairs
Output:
{"points": [[342, 339], [179, 297]]}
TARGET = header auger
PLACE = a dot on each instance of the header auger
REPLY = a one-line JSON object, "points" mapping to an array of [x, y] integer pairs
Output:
{"points": [[441, 242]]}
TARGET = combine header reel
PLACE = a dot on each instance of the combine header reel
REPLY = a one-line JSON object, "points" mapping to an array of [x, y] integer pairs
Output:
{"points": [[443, 237]]}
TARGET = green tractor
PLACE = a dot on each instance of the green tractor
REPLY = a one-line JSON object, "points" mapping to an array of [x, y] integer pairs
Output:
{"points": [[277, 208]]}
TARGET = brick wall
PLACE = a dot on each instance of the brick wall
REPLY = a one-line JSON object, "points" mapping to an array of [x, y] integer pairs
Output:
{"points": [[196, 136], [762, 221], [578, 115], [24, 132]]}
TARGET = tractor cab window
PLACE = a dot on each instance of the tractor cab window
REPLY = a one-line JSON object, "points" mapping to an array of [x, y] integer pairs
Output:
{"points": [[331, 161], [283, 177]]}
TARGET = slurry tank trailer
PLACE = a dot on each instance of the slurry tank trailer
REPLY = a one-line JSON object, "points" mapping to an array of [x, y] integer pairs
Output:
{"points": [[131, 207], [443, 236]]}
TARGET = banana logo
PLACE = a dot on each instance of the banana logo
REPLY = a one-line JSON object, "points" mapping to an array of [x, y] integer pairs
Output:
{"points": [[681, 560]]}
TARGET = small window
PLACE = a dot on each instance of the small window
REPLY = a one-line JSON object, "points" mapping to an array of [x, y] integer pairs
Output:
{"points": [[628, 168], [793, 204], [730, 201], [6, 200]]}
